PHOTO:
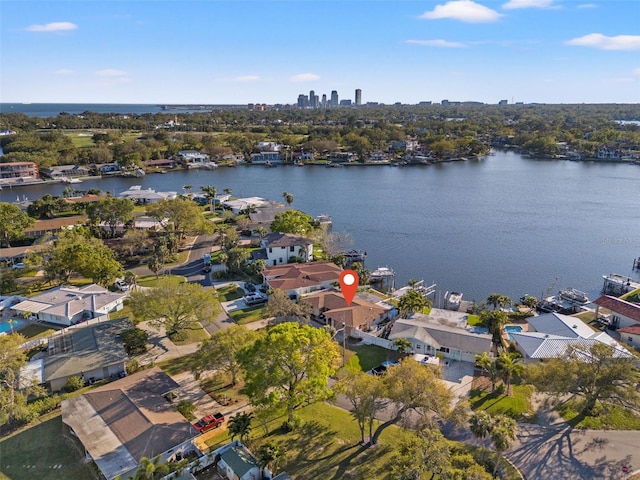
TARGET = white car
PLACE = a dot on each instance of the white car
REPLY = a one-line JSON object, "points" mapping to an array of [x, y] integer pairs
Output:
{"points": [[254, 299], [121, 285], [17, 266]]}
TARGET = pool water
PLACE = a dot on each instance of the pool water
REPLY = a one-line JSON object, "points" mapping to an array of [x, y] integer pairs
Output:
{"points": [[5, 327], [511, 329]]}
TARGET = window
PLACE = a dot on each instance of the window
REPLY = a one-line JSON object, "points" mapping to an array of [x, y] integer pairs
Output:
{"points": [[444, 349], [270, 250], [292, 248], [631, 339]]}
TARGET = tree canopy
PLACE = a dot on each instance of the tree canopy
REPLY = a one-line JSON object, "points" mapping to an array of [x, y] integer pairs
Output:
{"points": [[113, 211], [293, 221], [174, 306], [291, 365], [184, 215], [13, 221], [598, 373]]}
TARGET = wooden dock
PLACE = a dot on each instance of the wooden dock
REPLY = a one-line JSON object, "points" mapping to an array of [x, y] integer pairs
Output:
{"points": [[615, 284]]}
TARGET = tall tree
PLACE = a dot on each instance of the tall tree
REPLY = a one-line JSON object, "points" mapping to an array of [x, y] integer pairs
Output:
{"points": [[13, 392], [503, 432], [597, 373], [270, 455], [488, 364], [210, 195], [403, 346], [420, 454], [239, 425], [411, 302], [413, 388], [173, 306], [184, 214], [366, 394], [220, 351], [509, 364], [480, 424], [13, 221], [288, 197], [113, 211], [290, 365], [292, 221], [280, 305]]}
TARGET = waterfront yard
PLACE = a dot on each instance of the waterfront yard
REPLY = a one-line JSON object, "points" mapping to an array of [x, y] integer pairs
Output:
{"points": [[517, 406], [365, 357]]}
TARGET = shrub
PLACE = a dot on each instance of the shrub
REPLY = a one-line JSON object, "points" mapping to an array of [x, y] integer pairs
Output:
{"points": [[187, 409], [74, 383], [133, 366], [135, 341]]}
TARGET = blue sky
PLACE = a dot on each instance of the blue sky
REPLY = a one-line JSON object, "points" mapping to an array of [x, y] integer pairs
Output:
{"points": [[263, 51]]}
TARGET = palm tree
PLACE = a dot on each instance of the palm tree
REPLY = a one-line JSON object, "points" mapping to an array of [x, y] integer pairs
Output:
{"points": [[187, 188], [288, 198], [403, 345], [481, 424], [227, 191], [494, 300], [488, 364], [509, 364], [147, 468], [240, 425], [210, 195], [270, 455], [155, 264], [131, 279], [503, 432], [412, 302], [261, 231]]}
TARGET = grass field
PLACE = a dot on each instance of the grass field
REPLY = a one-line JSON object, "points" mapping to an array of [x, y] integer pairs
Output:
{"points": [[517, 406], [365, 357], [611, 417], [248, 315], [177, 365], [195, 334], [230, 292], [34, 331], [43, 452]]}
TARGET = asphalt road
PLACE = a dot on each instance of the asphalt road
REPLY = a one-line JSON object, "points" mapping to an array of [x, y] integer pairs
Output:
{"points": [[192, 269]]}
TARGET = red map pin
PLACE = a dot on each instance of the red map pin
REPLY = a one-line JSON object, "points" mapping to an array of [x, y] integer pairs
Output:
{"points": [[348, 285]]}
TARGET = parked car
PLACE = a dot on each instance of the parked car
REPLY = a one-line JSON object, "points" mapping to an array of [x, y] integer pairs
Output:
{"points": [[249, 287], [206, 269], [254, 299], [209, 422], [121, 285], [19, 265]]}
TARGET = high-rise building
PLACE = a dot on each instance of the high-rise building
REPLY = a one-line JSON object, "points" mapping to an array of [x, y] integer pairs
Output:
{"points": [[303, 101], [358, 96], [323, 103], [334, 98], [312, 99]]}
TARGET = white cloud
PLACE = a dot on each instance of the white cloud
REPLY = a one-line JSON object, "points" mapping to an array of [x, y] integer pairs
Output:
{"points": [[247, 78], [602, 42], [588, 5], [63, 71], [437, 43], [305, 77], [637, 72], [514, 4], [463, 10], [110, 72], [53, 27]]}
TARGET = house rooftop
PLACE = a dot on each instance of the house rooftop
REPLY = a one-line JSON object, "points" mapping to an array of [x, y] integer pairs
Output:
{"points": [[123, 421], [633, 330], [277, 239], [300, 275], [333, 304], [619, 306], [240, 459]]}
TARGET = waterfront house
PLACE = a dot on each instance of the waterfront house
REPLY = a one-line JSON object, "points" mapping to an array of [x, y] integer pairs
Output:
{"points": [[263, 158], [107, 168], [440, 334], [61, 172], [68, 305], [160, 163], [269, 147], [240, 205], [193, 158], [123, 421], [330, 307], [53, 225], [342, 157], [631, 336], [91, 351], [278, 248], [264, 216], [298, 279], [13, 171], [140, 196], [551, 335], [623, 313]]}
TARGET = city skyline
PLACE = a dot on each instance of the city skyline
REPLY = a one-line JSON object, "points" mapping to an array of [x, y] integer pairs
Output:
{"points": [[219, 52]]}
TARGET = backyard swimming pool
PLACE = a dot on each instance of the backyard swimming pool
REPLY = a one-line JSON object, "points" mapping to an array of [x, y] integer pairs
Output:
{"points": [[5, 327], [511, 329]]}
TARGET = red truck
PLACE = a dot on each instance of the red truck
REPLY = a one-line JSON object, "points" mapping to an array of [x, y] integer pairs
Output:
{"points": [[209, 422]]}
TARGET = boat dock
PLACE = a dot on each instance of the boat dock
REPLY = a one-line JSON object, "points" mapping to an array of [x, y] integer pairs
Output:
{"points": [[616, 284]]}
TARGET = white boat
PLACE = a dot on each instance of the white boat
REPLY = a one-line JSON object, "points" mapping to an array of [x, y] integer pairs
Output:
{"points": [[452, 300], [383, 278], [324, 219], [573, 295], [70, 180]]}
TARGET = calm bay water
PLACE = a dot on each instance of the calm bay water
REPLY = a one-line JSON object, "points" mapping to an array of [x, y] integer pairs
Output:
{"points": [[499, 224]]}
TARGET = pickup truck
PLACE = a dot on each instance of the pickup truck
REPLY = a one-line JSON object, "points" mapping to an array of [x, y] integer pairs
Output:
{"points": [[209, 422]]}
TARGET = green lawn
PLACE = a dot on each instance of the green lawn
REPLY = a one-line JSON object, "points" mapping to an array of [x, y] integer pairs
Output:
{"points": [[517, 406], [33, 331], [152, 280], [177, 365], [230, 292], [219, 388], [248, 315], [366, 357], [610, 417], [42, 452], [123, 313], [81, 139], [195, 334]]}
